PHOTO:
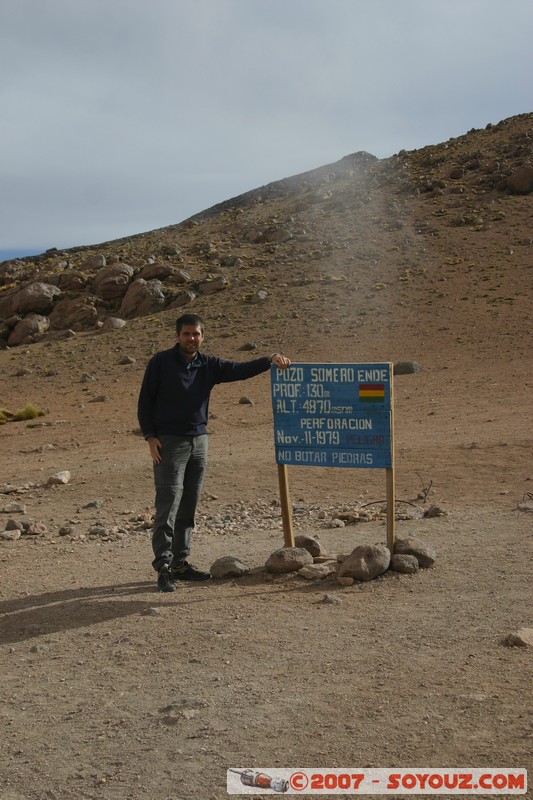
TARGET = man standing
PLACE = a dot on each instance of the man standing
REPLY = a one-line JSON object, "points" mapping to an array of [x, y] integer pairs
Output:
{"points": [[173, 413]]}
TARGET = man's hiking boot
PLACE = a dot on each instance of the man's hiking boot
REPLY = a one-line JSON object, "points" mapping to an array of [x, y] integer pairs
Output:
{"points": [[189, 573], [164, 580]]}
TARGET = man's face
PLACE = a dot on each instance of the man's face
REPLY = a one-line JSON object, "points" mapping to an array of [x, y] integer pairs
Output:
{"points": [[190, 339]]}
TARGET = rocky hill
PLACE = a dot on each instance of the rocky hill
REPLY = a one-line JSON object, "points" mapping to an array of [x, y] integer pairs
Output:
{"points": [[360, 237]]}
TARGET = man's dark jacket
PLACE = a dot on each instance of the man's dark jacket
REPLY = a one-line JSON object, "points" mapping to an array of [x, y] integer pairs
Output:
{"points": [[174, 396]]}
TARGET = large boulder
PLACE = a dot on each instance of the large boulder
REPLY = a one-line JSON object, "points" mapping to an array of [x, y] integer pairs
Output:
{"points": [[6, 301], [77, 314], [179, 276], [111, 283], [36, 297], [143, 297], [28, 330], [276, 235], [72, 281], [157, 271], [521, 180], [170, 250], [13, 270], [215, 284], [93, 262], [182, 299], [365, 562]]}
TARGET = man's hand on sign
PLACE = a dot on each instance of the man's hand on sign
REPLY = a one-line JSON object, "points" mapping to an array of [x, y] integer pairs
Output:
{"points": [[280, 361]]}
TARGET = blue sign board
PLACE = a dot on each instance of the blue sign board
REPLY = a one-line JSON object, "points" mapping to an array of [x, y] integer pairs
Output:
{"points": [[333, 415]]}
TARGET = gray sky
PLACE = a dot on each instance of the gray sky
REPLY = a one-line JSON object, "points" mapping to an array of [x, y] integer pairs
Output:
{"points": [[120, 116]]}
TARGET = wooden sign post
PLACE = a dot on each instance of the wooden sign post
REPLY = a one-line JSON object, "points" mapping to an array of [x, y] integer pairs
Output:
{"points": [[334, 415], [286, 508]]}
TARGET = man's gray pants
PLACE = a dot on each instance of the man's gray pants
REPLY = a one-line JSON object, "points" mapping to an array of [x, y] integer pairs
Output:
{"points": [[178, 481]]}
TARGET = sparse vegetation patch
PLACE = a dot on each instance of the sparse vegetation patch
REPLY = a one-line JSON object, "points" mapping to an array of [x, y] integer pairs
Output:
{"points": [[29, 411]]}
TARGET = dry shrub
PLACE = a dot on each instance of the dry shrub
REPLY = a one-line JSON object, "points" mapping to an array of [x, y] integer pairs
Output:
{"points": [[30, 411]]}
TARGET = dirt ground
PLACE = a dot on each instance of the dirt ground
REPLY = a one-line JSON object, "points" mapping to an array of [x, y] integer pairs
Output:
{"points": [[112, 690]]}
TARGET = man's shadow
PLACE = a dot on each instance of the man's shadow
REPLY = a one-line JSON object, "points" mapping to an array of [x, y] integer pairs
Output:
{"points": [[81, 607], [68, 609]]}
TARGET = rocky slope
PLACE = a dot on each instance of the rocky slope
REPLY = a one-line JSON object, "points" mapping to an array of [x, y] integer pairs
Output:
{"points": [[327, 239]]}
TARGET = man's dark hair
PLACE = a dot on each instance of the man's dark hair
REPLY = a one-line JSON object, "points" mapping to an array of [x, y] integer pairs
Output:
{"points": [[189, 319]]}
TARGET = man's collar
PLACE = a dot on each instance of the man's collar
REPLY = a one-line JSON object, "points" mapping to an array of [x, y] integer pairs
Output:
{"points": [[197, 360]]}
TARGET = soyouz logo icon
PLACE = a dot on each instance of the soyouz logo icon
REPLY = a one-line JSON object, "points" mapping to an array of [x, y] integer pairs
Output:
{"points": [[407, 781], [259, 780]]}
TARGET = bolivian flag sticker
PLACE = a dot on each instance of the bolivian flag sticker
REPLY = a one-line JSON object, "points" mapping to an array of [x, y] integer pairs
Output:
{"points": [[371, 392]]}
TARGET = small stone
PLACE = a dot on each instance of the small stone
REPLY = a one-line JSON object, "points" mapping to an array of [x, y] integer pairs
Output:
{"points": [[228, 567], [14, 508], [317, 571], [246, 401], [113, 324], [349, 517], [288, 559], [151, 612], [98, 503], [331, 599], [345, 581], [36, 529], [406, 564], [424, 553], [59, 478], [10, 536], [366, 562], [14, 525], [127, 360], [98, 530], [406, 368], [310, 544], [259, 297], [520, 638], [434, 511]]}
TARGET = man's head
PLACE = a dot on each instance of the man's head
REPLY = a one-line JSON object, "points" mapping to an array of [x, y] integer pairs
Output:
{"points": [[189, 334], [189, 319]]}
